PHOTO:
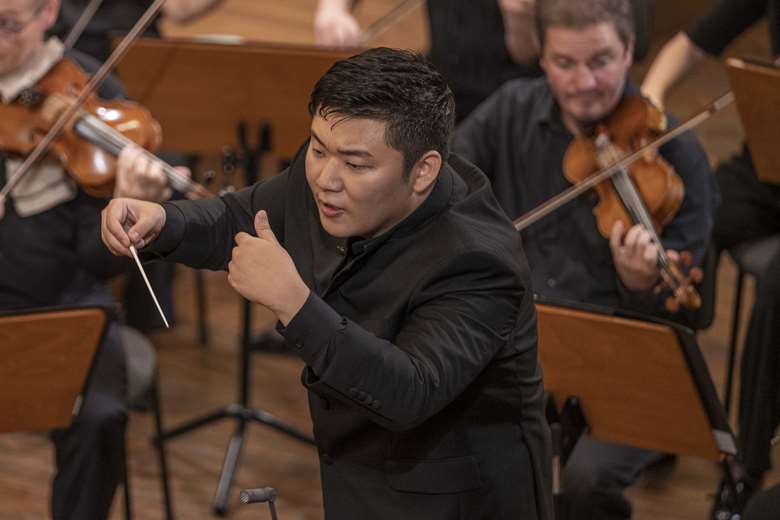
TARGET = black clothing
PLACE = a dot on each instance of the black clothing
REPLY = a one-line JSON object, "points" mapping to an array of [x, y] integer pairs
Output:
{"points": [[56, 257], [764, 505], [727, 19], [114, 18], [595, 476], [750, 210], [519, 140], [420, 347], [468, 48]]}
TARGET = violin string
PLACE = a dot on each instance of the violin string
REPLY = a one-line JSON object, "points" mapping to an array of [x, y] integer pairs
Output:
{"points": [[578, 189], [96, 80], [629, 195], [119, 141]]}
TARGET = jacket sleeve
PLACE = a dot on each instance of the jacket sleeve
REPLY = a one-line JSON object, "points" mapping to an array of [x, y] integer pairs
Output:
{"points": [[468, 312], [724, 22], [201, 234]]}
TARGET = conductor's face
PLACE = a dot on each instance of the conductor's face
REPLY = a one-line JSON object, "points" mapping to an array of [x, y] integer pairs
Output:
{"points": [[357, 180]]}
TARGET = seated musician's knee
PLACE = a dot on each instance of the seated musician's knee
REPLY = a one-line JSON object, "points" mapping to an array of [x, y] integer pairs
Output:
{"points": [[103, 417]]}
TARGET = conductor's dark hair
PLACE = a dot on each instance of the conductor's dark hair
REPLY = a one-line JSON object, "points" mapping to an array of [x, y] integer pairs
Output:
{"points": [[398, 87]]}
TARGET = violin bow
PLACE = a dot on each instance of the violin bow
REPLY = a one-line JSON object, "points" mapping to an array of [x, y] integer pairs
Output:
{"points": [[78, 28], [573, 192], [95, 81], [93, 84], [384, 22], [567, 195]]}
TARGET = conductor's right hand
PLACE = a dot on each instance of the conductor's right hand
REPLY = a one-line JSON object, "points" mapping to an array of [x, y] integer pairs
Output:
{"points": [[129, 221]]}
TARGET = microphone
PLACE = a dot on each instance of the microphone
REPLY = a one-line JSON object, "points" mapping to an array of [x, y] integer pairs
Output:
{"points": [[255, 496]]}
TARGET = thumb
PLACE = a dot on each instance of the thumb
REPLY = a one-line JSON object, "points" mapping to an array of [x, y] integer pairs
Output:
{"points": [[263, 227], [143, 228]]}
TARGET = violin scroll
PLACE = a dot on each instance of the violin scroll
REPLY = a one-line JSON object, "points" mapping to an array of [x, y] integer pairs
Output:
{"points": [[684, 293]]}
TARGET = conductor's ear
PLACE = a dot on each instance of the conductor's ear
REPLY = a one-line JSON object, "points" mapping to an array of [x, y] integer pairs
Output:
{"points": [[425, 171]]}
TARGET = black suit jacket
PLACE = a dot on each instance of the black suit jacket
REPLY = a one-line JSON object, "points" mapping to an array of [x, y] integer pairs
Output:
{"points": [[420, 348]]}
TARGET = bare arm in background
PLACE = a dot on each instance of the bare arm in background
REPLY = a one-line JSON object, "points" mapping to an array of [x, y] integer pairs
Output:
{"points": [[674, 61], [520, 30], [334, 25]]}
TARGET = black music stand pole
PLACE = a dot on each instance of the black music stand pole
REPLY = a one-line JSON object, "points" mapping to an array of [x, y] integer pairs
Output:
{"points": [[241, 411]]}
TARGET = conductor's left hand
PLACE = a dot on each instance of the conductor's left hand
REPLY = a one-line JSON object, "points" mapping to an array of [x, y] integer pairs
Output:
{"points": [[262, 271]]}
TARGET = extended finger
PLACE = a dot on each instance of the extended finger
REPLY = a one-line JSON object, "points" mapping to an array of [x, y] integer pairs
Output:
{"points": [[155, 171], [113, 233], [115, 218], [650, 253], [146, 228], [616, 236]]}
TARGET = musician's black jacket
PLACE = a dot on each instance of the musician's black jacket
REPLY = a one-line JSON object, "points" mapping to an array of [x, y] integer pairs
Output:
{"points": [[517, 137], [420, 347]]}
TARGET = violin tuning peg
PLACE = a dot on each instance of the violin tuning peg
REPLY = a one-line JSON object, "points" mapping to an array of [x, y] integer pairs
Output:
{"points": [[672, 305], [696, 275], [686, 258], [208, 177]]}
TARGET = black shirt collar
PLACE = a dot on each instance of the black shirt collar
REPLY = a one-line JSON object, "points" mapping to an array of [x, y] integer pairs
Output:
{"points": [[431, 206]]}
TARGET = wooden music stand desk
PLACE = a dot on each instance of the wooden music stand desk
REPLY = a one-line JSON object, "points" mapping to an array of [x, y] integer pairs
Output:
{"points": [[632, 380], [756, 87], [640, 382], [199, 92], [46, 360]]}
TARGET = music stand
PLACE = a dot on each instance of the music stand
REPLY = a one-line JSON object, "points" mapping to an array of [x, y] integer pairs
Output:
{"points": [[629, 379], [47, 359], [755, 84], [205, 95]]}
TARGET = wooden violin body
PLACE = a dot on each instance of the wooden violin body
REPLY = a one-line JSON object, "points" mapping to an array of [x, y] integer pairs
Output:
{"points": [[647, 192], [631, 125], [24, 122]]}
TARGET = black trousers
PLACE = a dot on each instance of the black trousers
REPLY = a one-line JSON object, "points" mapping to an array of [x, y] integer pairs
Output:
{"points": [[764, 505], [750, 210], [596, 476], [90, 453]]}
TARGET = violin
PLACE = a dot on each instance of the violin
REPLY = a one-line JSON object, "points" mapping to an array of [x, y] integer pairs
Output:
{"points": [[66, 113], [646, 191], [92, 138]]}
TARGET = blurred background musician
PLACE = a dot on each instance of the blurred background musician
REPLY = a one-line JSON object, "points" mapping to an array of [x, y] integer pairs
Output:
{"points": [[113, 19], [116, 17], [750, 210], [51, 254], [476, 44], [519, 137]]}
